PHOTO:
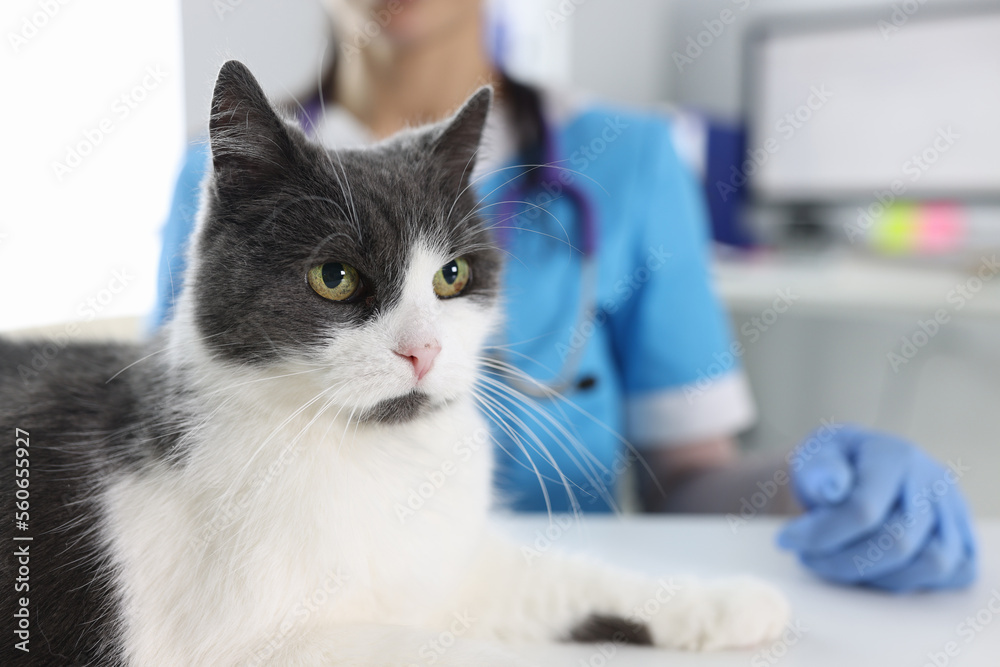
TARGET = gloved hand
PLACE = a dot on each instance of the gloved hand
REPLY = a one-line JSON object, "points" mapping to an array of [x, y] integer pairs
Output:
{"points": [[879, 512]]}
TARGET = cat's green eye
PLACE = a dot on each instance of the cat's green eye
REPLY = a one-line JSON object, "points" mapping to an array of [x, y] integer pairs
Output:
{"points": [[452, 278], [335, 281]]}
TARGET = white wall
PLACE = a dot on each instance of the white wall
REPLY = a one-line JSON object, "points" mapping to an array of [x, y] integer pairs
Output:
{"points": [[621, 49], [282, 42], [93, 135]]}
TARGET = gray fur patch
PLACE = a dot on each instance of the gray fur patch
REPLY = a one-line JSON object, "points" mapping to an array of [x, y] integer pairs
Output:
{"points": [[401, 408], [606, 628]]}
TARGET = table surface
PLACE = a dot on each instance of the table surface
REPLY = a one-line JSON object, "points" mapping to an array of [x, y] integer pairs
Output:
{"points": [[841, 626]]}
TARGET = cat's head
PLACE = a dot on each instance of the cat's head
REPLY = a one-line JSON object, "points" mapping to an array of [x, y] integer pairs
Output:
{"points": [[366, 272]]}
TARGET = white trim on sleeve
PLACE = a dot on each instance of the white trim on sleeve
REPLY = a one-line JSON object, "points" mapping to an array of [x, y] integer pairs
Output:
{"points": [[690, 413]]}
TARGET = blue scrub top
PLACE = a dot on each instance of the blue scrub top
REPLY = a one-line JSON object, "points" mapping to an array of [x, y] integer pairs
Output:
{"points": [[656, 362]]}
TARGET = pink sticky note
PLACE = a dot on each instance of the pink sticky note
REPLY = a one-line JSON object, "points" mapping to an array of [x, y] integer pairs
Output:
{"points": [[939, 226]]}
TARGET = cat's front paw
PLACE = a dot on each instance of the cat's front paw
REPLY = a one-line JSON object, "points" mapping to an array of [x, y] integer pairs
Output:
{"points": [[733, 613], [748, 612]]}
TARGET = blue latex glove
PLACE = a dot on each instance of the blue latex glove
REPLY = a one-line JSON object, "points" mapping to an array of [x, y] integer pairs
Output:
{"points": [[879, 512]]}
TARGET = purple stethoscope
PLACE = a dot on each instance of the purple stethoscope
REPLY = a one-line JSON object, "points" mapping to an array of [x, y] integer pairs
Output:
{"points": [[518, 193]]}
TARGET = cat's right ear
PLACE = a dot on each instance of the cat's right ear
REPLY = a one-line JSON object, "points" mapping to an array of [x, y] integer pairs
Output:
{"points": [[249, 141]]}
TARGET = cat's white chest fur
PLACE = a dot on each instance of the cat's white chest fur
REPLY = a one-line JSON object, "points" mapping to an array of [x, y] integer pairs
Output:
{"points": [[279, 526]]}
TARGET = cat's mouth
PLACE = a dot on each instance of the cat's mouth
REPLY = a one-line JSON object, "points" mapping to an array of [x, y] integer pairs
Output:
{"points": [[403, 408]]}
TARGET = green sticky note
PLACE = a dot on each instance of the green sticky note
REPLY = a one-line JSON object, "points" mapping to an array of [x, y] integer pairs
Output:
{"points": [[896, 232]]}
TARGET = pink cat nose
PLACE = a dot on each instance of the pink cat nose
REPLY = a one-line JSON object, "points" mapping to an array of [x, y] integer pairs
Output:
{"points": [[421, 355]]}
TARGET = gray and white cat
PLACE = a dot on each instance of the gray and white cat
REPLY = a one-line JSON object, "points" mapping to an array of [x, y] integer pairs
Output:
{"points": [[228, 492]]}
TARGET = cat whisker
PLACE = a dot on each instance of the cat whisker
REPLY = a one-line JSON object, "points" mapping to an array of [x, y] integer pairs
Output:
{"points": [[344, 214], [523, 169], [163, 349], [227, 498], [506, 346], [287, 450], [537, 445], [344, 184], [557, 396], [343, 436], [270, 378], [531, 207], [472, 182], [536, 407], [250, 459], [557, 165], [590, 476], [518, 441], [458, 196]]}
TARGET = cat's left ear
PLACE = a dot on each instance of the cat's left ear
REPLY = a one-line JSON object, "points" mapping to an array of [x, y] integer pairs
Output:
{"points": [[458, 143]]}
